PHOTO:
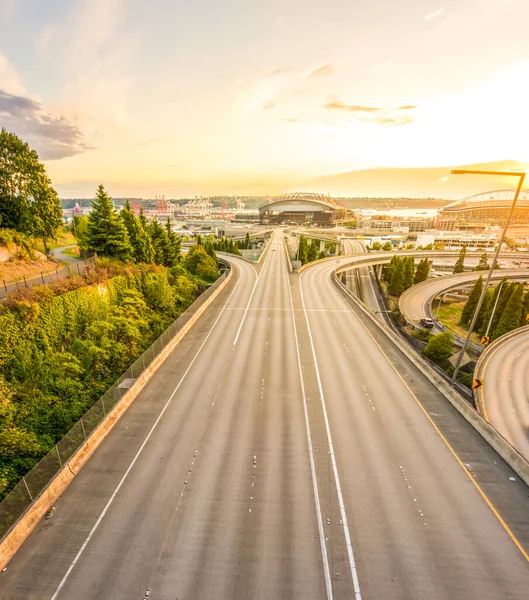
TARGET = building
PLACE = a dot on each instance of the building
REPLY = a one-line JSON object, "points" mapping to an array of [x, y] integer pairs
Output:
{"points": [[302, 209], [484, 210]]}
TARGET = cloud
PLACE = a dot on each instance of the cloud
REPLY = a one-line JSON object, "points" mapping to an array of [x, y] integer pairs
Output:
{"points": [[435, 14], [326, 69], [9, 78], [53, 137], [338, 105], [280, 71], [374, 114]]}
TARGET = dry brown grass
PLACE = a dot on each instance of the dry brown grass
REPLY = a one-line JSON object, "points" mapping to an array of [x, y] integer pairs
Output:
{"points": [[16, 270]]}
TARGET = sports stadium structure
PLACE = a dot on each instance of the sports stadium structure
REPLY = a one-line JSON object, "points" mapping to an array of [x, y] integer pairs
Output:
{"points": [[302, 208], [484, 210]]}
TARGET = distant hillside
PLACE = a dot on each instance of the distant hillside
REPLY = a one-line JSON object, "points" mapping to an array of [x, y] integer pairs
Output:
{"points": [[429, 182]]}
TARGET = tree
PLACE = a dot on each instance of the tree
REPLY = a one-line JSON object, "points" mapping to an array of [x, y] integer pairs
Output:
{"points": [[80, 229], [440, 348], [510, 318], [28, 202], [312, 253], [396, 286], [525, 310], [376, 246], [302, 249], [172, 247], [483, 264], [158, 237], [247, 242], [459, 267], [142, 248], [387, 247], [388, 271], [423, 271], [211, 251], [503, 300], [107, 234], [472, 302], [483, 311], [408, 272], [491, 304], [200, 264]]}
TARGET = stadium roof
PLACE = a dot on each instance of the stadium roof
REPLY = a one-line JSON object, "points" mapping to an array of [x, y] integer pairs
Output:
{"points": [[493, 199]]}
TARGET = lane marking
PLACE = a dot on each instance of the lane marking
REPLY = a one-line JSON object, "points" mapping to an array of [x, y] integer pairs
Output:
{"points": [[350, 553], [325, 559], [140, 450], [447, 443], [251, 296]]}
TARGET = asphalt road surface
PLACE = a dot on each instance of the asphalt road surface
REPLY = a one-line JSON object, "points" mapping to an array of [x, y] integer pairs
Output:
{"points": [[283, 452], [506, 390]]}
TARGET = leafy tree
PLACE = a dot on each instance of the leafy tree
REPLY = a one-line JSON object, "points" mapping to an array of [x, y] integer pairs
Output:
{"points": [[387, 247], [396, 286], [107, 234], [483, 264], [440, 348], [173, 245], [200, 264], [80, 230], [511, 316], [472, 302], [439, 246], [28, 202], [459, 267], [377, 246], [423, 271], [408, 273], [321, 255], [142, 248]]}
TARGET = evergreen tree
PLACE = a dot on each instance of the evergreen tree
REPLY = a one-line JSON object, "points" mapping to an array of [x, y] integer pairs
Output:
{"points": [[459, 267], [491, 304], [472, 302], [525, 310], [247, 242], [236, 250], [387, 247], [321, 255], [388, 271], [396, 286], [199, 240], [483, 310], [107, 234], [143, 219], [302, 249], [505, 296], [142, 250], [158, 237], [483, 263], [172, 246], [409, 269], [510, 318], [211, 251], [312, 253], [422, 271]]}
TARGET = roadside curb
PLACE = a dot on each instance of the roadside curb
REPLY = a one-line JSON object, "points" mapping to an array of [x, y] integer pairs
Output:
{"points": [[518, 463], [27, 523]]}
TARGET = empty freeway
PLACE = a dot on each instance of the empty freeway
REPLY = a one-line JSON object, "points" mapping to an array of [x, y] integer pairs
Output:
{"points": [[286, 449]]}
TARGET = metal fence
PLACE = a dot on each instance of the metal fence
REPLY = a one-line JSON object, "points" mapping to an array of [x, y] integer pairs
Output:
{"points": [[81, 268], [16, 503]]}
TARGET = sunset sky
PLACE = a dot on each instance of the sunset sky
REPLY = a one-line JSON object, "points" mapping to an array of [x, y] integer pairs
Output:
{"points": [[233, 96]]}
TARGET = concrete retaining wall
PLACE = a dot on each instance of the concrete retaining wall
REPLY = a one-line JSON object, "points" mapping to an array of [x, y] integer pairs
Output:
{"points": [[510, 455], [16, 537]]}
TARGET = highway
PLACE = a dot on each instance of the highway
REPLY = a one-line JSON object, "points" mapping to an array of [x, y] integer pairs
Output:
{"points": [[416, 302], [286, 449], [504, 398]]}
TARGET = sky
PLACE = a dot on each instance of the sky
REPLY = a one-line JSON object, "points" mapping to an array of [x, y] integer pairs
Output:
{"points": [[237, 97]]}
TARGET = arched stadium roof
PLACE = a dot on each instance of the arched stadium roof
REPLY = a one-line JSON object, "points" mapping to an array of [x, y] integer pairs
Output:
{"points": [[302, 198], [493, 199]]}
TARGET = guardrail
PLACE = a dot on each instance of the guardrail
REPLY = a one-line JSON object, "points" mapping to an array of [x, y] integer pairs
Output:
{"points": [[35, 483]]}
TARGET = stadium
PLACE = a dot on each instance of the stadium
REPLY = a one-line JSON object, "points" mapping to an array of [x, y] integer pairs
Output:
{"points": [[484, 210], [302, 209]]}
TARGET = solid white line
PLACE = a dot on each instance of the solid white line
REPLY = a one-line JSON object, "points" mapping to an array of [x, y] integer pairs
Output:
{"points": [[345, 522], [118, 487], [250, 300], [328, 583]]}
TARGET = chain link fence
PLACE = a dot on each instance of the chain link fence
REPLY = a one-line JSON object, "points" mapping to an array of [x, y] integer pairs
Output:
{"points": [[16, 503], [81, 268]]}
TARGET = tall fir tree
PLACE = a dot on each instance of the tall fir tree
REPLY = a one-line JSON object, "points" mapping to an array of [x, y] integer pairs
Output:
{"points": [[500, 287], [388, 270], [158, 237], [247, 242], [423, 270], [142, 249], [312, 253], [524, 320], [504, 298], [472, 302], [211, 251], [459, 267], [396, 286], [107, 234], [483, 310], [510, 318], [172, 246], [409, 272], [483, 264], [302, 249]]}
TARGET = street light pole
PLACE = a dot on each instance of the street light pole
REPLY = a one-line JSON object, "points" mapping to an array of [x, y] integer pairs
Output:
{"points": [[498, 250], [494, 309]]}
